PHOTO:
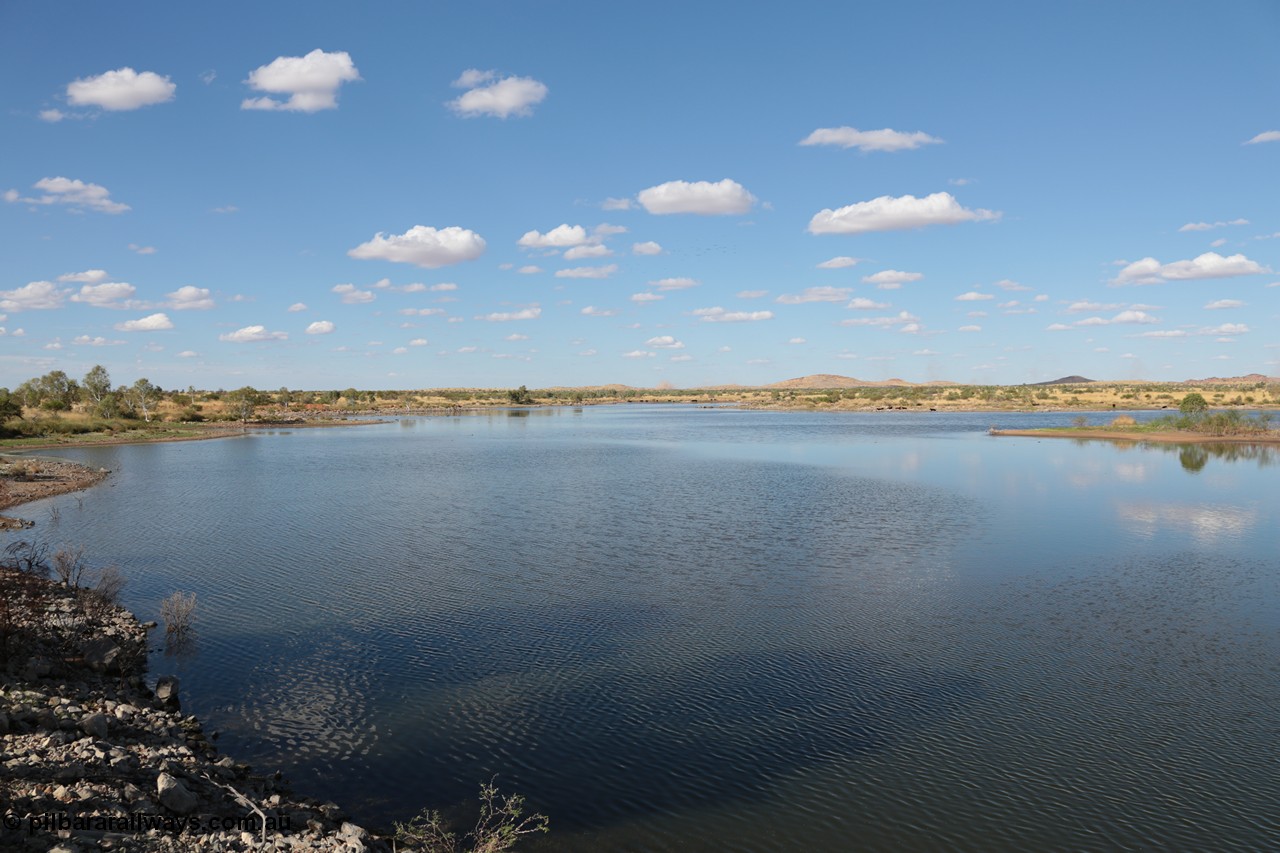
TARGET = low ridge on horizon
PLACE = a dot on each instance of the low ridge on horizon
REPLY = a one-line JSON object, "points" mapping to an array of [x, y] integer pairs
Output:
{"points": [[1073, 379], [836, 380]]}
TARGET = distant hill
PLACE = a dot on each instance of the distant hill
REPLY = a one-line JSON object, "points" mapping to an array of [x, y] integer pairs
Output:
{"points": [[1249, 379], [1066, 380], [834, 380]]}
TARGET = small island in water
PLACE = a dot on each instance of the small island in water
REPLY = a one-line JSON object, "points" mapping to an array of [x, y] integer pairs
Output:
{"points": [[1194, 423]]}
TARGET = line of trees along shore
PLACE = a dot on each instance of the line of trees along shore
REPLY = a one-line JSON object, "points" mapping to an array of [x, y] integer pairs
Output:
{"points": [[56, 403]]}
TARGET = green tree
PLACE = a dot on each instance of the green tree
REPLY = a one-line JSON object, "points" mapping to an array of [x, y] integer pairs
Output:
{"points": [[1193, 404], [144, 396], [95, 387], [28, 393], [242, 402], [520, 396], [57, 391], [10, 406]]}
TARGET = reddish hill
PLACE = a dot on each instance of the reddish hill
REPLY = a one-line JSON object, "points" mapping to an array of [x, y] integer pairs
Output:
{"points": [[834, 380], [1250, 379]]}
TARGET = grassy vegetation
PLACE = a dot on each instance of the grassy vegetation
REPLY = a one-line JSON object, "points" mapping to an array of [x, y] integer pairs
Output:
{"points": [[1230, 423], [1193, 417]]}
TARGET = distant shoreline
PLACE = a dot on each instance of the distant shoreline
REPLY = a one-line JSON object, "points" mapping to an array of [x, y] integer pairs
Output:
{"points": [[1167, 437], [196, 432]]}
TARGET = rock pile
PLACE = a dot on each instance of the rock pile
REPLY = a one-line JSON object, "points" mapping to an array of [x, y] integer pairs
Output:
{"points": [[91, 758]]}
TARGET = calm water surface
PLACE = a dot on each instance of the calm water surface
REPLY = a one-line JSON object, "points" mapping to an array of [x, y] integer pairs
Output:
{"points": [[682, 629]]}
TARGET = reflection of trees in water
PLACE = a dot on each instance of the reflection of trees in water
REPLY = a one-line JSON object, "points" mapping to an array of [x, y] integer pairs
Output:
{"points": [[1195, 456]]}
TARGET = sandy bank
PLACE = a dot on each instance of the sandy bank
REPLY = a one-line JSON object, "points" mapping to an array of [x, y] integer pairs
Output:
{"points": [[1168, 437]]}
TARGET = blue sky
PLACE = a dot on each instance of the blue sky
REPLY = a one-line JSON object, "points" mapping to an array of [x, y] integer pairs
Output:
{"points": [[406, 195]]}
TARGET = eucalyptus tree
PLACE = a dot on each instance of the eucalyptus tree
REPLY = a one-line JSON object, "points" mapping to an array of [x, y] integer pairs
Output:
{"points": [[95, 388], [144, 396]]}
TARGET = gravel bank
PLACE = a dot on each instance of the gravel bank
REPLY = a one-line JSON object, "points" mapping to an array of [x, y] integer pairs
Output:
{"points": [[94, 758]]}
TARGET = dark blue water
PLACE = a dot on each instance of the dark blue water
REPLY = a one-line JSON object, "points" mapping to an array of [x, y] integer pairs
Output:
{"points": [[694, 629]]}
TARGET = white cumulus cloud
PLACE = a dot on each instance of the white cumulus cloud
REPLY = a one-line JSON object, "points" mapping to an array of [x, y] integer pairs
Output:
{"points": [[192, 298], [1080, 307], [593, 250], [297, 306], [353, 295], [973, 296], [639, 353], [725, 197], [891, 279], [838, 262], [74, 193], [1208, 226], [253, 334], [111, 294], [33, 296], [150, 323], [646, 248], [888, 213], [1010, 284], [487, 96], [719, 315], [869, 140], [320, 327], [122, 89], [664, 342], [530, 313], [424, 246], [674, 283], [310, 81], [1208, 265], [86, 277], [903, 319], [646, 297], [1224, 303], [593, 311], [1129, 316], [1265, 136], [815, 294], [588, 272], [861, 303], [560, 237]]}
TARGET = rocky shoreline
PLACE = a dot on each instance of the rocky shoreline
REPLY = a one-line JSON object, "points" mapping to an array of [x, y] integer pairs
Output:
{"points": [[28, 478], [94, 758]]}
